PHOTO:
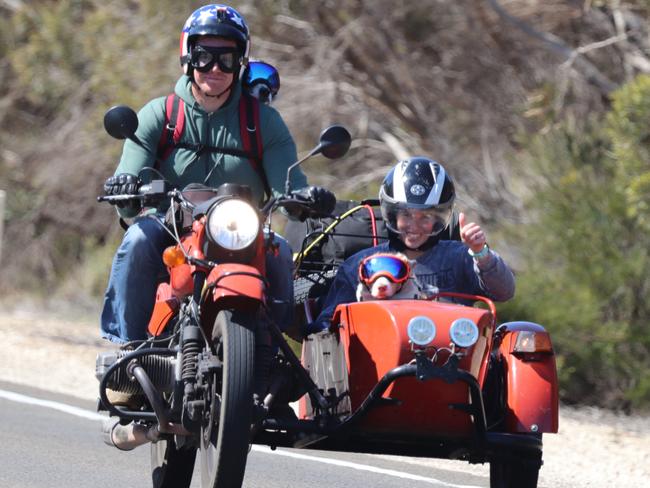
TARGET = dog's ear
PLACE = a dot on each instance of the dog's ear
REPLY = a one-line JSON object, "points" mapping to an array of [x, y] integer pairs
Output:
{"points": [[362, 293]]}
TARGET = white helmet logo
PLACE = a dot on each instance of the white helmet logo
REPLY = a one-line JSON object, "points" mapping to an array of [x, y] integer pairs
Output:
{"points": [[417, 190], [237, 20]]}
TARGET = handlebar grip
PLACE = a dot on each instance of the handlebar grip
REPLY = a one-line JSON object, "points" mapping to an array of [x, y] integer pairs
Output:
{"points": [[151, 191], [118, 198]]}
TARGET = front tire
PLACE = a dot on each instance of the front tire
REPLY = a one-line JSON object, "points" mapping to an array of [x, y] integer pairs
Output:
{"points": [[225, 433], [171, 467]]}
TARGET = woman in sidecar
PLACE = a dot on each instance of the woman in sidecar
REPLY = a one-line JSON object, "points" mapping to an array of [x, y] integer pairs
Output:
{"points": [[417, 199], [428, 377]]}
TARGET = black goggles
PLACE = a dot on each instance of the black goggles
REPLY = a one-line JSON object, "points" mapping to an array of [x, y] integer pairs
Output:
{"points": [[204, 58], [389, 265]]}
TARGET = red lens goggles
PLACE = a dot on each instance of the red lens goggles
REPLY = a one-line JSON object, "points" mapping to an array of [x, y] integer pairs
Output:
{"points": [[393, 267]]}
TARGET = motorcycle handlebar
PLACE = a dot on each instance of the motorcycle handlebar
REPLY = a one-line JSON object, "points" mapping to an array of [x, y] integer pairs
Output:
{"points": [[299, 206], [156, 190]]}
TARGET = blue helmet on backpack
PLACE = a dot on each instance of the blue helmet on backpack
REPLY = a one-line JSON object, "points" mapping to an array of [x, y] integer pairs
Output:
{"points": [[261, 80]]}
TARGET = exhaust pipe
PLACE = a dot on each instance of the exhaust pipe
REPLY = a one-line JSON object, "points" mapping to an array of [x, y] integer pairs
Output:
{"points": [[128, 437]]}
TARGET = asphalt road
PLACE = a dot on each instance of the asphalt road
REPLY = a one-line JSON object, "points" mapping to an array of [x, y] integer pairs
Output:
{"points": [[51, 441]]}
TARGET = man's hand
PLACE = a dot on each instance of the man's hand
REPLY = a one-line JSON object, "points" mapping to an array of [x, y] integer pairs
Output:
{"points": [[321, 202], [123, 184], [471, 234]]}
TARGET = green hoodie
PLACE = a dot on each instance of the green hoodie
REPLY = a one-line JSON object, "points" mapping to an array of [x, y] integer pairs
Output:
{"points": [[216, 129]]}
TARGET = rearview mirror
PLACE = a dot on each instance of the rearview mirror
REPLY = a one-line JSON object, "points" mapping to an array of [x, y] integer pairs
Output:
{"points": [[334, 142], [121, 122]]}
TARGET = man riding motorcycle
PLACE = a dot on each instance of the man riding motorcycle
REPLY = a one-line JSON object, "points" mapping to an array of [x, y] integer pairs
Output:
{"points": [[215, 46]]}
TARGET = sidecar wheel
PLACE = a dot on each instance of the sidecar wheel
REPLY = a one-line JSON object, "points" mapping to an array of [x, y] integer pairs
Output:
{"points": [[225, 433], [516, 471], [171, 467]]}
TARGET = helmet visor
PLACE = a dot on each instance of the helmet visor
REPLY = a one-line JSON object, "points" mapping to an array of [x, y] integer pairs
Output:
{"points": [[390, 266], [431, 221], [260, 72], [203, 58]]}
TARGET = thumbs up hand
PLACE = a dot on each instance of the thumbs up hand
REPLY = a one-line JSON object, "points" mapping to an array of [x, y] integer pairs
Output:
{"points": [[471, 234]]}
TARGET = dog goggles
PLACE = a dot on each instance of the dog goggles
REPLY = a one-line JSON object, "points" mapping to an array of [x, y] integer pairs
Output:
{"points": [[390, 266], [203, 58]]}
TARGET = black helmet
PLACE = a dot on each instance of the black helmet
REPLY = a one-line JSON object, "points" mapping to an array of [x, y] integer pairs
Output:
{"points": [[418, 183], [214, 20]]}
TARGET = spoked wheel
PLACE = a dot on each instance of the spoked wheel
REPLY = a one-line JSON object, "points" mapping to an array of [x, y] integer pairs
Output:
{"points": [[171, 467], [225, 430]]}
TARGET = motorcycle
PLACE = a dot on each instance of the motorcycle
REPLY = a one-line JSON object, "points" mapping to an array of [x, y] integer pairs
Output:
{"points": [[205, 371], [421, 377]]}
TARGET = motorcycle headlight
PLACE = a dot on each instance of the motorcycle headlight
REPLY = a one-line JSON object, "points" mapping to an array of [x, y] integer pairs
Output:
{"points": [[463, 332], [233, 224], [421, 330]]}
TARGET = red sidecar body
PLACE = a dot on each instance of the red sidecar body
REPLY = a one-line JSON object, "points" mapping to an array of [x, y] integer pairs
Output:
{"points": [[478, 403]]}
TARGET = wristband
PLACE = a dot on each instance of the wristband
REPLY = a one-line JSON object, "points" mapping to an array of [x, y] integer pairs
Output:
{"points": [[481, 254]]}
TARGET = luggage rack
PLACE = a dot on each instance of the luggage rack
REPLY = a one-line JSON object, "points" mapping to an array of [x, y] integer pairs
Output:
{"points": [[311, 284], [314, 272]]}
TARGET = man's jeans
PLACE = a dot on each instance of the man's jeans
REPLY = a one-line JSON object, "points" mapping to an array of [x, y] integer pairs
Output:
{"points": [[137, 265]]}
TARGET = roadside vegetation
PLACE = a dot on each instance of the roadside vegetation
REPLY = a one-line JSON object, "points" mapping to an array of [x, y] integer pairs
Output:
{"points": [[540, 111]]}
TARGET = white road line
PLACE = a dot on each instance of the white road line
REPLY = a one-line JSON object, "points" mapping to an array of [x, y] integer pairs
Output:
{"points": [[80, 412], [360, 467], [61, 407]]}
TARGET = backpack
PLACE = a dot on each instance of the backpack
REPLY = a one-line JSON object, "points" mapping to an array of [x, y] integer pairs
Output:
{"points": [[249, 130], [359, 230]]}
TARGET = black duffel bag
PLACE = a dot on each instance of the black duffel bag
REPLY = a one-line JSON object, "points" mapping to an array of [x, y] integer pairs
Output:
{"points": [[350, 235]]}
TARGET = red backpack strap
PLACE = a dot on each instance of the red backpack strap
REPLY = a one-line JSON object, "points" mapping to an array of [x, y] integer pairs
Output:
{"points": [[173, 128], [251, 136]]}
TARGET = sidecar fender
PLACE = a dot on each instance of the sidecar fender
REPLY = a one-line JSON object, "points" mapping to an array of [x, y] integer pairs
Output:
{"points": [[525, 353]]}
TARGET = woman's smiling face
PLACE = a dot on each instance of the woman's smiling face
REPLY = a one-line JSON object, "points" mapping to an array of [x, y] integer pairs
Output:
{"points": [[414, 226]]}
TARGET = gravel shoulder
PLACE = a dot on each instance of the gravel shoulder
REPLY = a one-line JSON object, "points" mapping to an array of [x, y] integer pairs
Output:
{"points": [[594, 448]]}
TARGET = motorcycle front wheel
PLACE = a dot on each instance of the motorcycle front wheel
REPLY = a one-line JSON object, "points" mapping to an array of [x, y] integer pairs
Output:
{"points": [[225, 431], [171, 467]]}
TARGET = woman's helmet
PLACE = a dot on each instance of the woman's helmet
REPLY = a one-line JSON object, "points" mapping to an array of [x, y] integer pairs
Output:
{"points": [[417, 184], [261, 80], [214, 20]]}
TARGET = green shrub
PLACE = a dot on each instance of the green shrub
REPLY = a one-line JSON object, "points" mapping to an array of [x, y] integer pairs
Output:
{"points": [[587, 270]]}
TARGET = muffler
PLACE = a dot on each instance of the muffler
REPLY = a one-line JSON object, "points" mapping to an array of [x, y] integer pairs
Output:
{"points": [[128, 437]]}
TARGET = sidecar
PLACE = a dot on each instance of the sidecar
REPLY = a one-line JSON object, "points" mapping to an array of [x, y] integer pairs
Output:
{"points": [[488, 401], [430, 378]]}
